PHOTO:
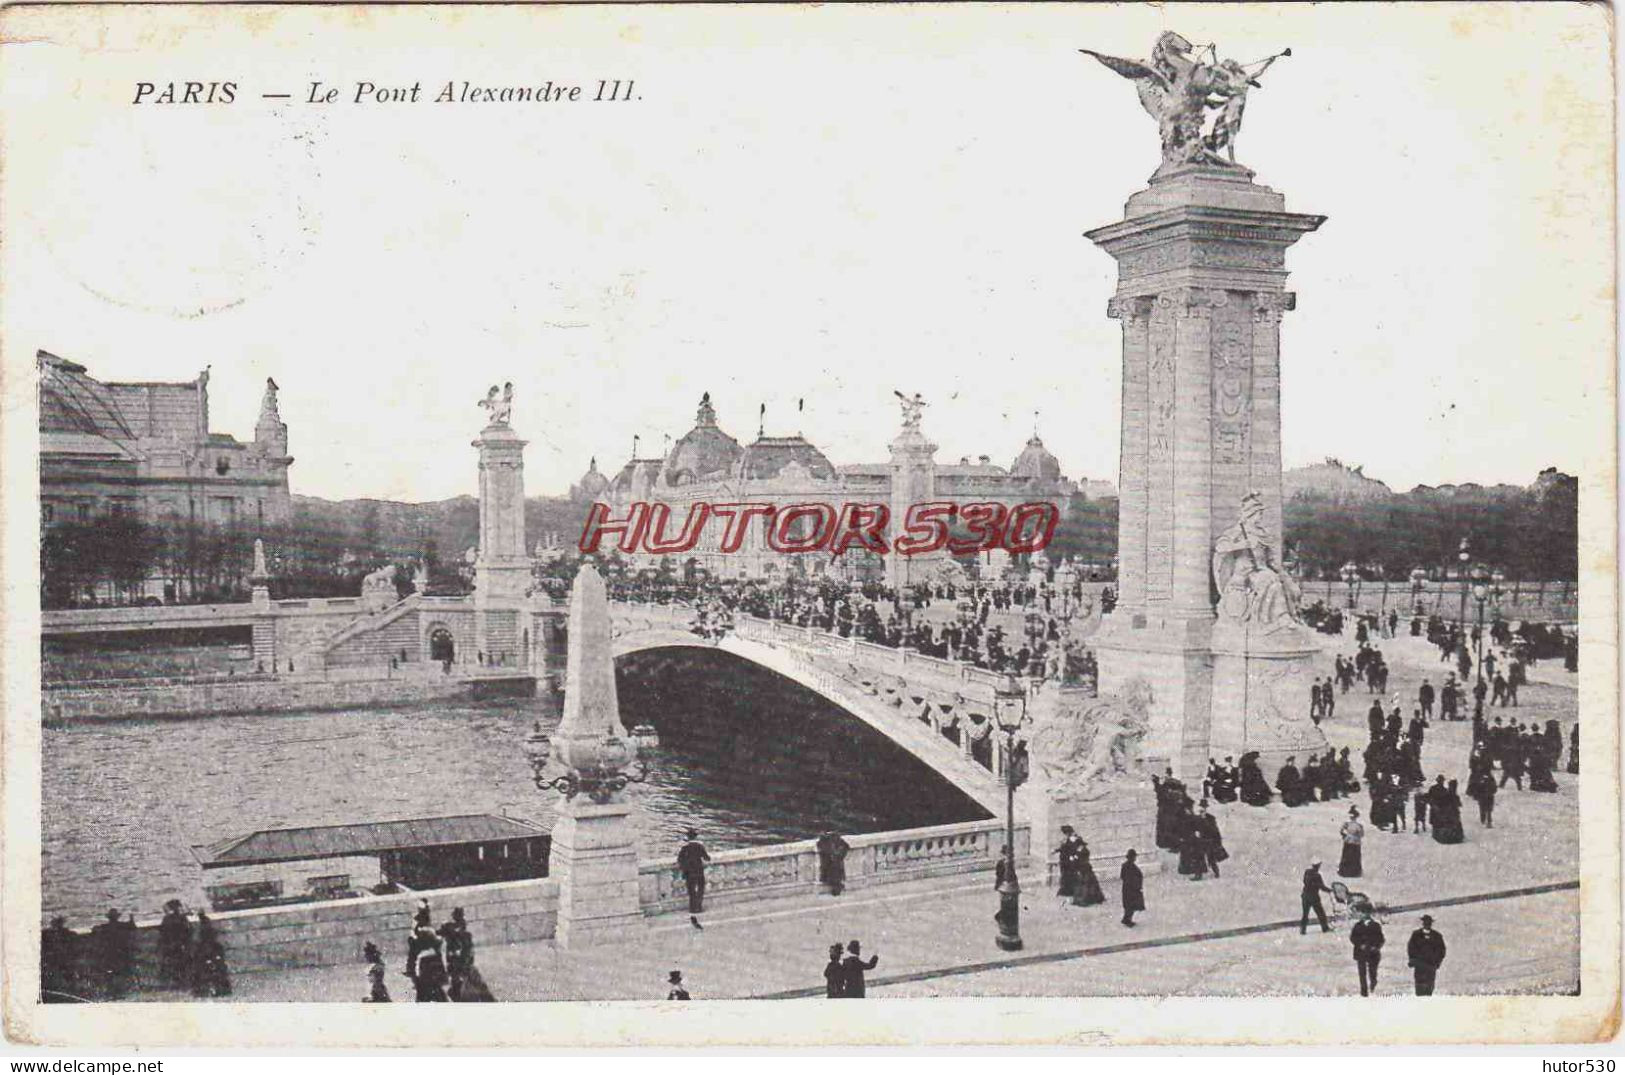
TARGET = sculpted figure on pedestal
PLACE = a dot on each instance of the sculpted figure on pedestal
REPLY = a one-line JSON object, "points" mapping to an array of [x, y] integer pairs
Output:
{"points": [[1088, 746], [1253, 588], [911, 409], [1178, 89], [499, 410]]}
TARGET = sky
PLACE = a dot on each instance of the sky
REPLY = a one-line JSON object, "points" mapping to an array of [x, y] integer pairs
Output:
{"points": [[818, 204]]}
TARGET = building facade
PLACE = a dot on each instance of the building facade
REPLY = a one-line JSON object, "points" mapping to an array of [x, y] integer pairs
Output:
{"points": [[146, 449], [709, 465]]}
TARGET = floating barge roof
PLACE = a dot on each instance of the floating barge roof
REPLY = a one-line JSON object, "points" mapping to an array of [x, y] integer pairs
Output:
{"points": [[370, 838]]}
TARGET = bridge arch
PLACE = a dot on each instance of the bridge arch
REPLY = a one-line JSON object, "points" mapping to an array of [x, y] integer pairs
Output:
{"points": [[894, 716]]}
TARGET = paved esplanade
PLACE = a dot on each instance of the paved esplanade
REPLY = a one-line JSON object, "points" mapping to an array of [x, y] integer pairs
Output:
{"points": [[936, 938]]}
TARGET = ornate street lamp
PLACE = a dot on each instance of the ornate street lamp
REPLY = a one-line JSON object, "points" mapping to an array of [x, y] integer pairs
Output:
{"points": [[595, 768], [1418, 578], [1351, 577], [1010, 714]]}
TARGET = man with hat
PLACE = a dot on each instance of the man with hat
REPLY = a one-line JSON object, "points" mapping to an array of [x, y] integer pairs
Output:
{"points": [[691, 860], [854, 966], [1367, 938], [1425, 952], [174, 946], [677, 991], [1313, 886]]}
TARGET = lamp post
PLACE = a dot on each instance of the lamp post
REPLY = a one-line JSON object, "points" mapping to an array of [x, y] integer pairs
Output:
{"points": [[1010, 713], [1351, 576], [1418, 578], [1463, 556], [1481, 593]]}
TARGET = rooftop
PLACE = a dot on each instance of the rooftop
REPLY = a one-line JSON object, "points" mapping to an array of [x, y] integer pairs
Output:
{"points": [[367, 838]]}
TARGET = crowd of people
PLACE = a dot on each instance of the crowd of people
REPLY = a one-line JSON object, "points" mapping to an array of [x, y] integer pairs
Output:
{"points": [[1187, 827], [101, 965], [439, 962], [959, 622]]}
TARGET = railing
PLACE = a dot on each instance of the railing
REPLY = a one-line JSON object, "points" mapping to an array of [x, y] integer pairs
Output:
{"points": [[793, 869]]}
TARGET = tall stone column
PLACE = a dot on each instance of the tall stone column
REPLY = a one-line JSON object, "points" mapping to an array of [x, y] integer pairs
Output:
{"points": [[913, 481], [1201, 257], [502, 575], [594, 849]]}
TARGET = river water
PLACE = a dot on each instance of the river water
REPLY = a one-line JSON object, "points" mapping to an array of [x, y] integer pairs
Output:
{"points": [[124, 801]]}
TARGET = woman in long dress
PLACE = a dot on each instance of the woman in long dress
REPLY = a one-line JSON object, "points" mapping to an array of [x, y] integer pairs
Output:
{"points": [[1087, 893], [1353, 832], [1067, 853], [1446, 812]]}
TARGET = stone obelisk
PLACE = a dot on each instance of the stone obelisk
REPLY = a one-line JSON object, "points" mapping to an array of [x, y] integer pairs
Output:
{"points": [[594, 852], [1201, 256]]}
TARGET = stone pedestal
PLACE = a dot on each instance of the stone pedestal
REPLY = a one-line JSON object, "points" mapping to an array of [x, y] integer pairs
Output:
{"points": [[1201, 274], [594, 859]]}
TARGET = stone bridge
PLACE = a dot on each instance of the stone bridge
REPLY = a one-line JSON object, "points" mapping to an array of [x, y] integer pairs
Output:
{"points": [[940, 711]]}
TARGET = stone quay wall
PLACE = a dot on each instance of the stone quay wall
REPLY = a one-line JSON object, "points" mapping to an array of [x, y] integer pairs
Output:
{"points": [[792, 869], [332, 932], [255, 695]]}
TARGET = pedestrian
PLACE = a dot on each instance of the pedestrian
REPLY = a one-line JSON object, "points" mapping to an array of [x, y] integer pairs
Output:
{"points": [[210, 977], [59, 964], [1353, 832], [1424, 697], [1419, 810], [377, 991], [834, 975], [1133, 887], [832, 851], [1087, 892], [428, 972], [1367, 938], [1574, 749], [691, 860], [1067, 860], [852, 968], [174, 946], [111, 948], [1313, 886], [459, 949], [1425, 952], [1207, 826], [1481, 789], [676, 992]]}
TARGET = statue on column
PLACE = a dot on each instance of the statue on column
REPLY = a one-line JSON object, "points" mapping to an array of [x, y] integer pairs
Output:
{"points": [[911, 409], [1253, 587], [499, 410], [1179, 88], [268, 401]]}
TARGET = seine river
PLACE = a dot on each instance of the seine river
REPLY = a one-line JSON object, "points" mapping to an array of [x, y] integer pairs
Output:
{"points": [[124, 801]]}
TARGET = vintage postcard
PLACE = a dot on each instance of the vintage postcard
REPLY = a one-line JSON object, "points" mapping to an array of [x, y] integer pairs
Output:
{"points": [[1075, 524]]}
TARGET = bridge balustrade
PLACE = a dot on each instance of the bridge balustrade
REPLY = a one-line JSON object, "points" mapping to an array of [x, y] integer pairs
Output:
{"points": [[792, 869]]}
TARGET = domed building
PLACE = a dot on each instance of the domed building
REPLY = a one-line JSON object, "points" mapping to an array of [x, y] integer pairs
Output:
{"points": [[704, 453], [1035, 461], [770, 457], [592, 484], [707, 465]]}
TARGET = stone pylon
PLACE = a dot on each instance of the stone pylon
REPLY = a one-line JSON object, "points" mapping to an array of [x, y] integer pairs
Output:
{"points": [[1201, 258], [594, 853], [502, 575], [913, 481]]}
